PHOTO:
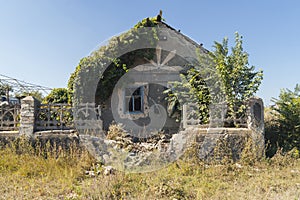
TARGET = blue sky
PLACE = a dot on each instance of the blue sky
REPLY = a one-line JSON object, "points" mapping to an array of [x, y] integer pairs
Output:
{"points": [[42, 41]]}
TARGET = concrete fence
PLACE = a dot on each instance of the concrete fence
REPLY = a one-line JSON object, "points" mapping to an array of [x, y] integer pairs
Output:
{"points": [[34, 119], [33, 116]]}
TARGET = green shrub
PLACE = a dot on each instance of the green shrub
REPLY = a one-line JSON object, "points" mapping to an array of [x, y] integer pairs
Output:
{"points": [[283, 122]]}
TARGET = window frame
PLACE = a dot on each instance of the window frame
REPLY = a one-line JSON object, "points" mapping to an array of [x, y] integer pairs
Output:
{"points": [[131, 97]]}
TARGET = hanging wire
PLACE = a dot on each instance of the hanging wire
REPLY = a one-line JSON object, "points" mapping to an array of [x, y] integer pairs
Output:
{"points": [[19, 86]]}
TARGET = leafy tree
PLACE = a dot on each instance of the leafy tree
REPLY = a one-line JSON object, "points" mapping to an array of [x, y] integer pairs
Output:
{"points": [[219, 74], [57, 95], [37, 94], [72, 80], [239, 81], [192, 89], [285, 127], [5, 89]]}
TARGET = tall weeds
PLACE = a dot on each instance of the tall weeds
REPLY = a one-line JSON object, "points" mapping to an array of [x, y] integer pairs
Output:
{"points": [[50, 171]]}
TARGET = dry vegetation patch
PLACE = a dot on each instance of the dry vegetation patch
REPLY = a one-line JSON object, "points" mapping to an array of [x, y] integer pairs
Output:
{"points": [[62, 175]]}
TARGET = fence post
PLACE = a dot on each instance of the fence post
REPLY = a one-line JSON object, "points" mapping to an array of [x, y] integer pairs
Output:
{"points": [[256, 114], [256, 123], [29, 107]]}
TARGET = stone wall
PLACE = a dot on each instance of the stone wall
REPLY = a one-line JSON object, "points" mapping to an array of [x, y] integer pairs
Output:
{"points": [[234, 139]]}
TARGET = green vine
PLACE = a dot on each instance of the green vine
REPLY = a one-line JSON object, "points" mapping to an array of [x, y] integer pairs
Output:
{"points": [[111, 54]]}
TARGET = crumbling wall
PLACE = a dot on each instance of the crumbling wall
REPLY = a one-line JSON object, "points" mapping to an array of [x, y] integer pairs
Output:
{"points": [[233, 140]]}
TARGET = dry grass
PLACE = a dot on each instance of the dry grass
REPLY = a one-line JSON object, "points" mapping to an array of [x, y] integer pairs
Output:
{"points": [[28, 175], [41, 173]]}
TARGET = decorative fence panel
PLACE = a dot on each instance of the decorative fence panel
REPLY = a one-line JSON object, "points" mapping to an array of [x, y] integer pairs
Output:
{"points": [[62, 117], [54, 117], [9, 117], [190, 118], [217, 117]]}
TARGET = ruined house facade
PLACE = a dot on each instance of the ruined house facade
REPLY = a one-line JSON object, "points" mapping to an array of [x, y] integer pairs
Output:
{"points": [[138, 98]]}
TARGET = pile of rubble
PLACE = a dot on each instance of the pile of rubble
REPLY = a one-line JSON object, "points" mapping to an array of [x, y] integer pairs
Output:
{"points": [[131, 153]]}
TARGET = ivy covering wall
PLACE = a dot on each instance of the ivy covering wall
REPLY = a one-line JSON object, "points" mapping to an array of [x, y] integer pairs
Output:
{"points": [[107, 64]]}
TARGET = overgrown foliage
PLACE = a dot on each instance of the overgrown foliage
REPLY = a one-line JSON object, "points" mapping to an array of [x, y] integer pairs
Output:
{"points": [[36, 94], [216, 74], [193, 89], [283, 127], [239, 81], [5, 89], [220, 73], [57, 95], [50, 174], [113, 60]]}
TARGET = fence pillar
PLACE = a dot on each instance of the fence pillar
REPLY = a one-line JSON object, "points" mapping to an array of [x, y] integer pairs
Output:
{"points": [[256, 114], [256, 123], [29, 107]]}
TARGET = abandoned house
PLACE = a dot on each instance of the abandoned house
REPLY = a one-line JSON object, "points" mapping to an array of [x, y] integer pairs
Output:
{"points": [[136, 69], [128, 81]]}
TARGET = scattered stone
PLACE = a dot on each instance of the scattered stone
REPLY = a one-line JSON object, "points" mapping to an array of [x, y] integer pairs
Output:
{"points": [[140, 152], [256, 169], [90, 173], [238, 165], [72, 195], [108, 170], [295, 171]]}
